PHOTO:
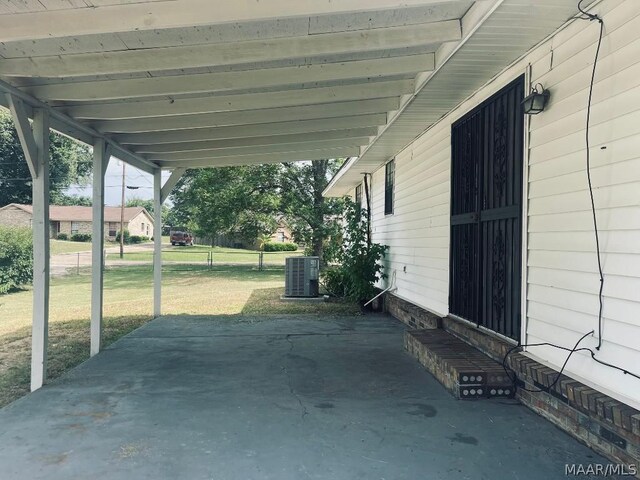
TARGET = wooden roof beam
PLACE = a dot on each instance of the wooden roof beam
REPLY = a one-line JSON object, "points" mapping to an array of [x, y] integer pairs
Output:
{"points": [[261, 129], [263, 142], [263, 149], [261, 158], [238, 102], [159, 15], [249, 117], [237, 53], [229, 81]]}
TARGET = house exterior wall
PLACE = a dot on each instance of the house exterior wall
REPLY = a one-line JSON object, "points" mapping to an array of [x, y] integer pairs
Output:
{"points": [[141, 225], [83, 227], [15, 217], [282, 234], [561, 282]]}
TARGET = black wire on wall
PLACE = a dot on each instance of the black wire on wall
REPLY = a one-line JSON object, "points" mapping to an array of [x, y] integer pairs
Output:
{"points": [[509, 371], [591, 17]]}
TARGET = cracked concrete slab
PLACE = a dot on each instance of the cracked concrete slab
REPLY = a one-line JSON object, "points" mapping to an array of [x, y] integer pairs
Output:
{"points": [[286, 397]]}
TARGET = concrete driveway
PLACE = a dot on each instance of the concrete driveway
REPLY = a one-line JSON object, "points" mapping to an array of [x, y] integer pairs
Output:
{"points": [[270, 398]]}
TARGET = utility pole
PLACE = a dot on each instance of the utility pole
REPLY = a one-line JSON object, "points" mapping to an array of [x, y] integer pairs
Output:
{"points": [[124, 165]]}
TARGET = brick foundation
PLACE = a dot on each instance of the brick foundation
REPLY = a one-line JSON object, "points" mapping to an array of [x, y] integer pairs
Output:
{"points": [[608, 426], [410, 314]]}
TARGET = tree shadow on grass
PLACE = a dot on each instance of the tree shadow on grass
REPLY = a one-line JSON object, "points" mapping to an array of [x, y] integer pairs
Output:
{"points": [[68, 347], [267, 301]]}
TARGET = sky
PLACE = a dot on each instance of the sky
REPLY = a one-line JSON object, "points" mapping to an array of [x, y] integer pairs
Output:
{"points": [[113, 184]]}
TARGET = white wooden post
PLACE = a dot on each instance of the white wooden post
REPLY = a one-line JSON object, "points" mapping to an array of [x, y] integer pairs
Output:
{"points": [[157, 243], [35, 146], [41, 232], [101, 154]]}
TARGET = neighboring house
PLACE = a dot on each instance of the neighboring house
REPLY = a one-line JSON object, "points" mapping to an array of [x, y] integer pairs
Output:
{"points": [[487, 215], [282, 234], [76, 219]]}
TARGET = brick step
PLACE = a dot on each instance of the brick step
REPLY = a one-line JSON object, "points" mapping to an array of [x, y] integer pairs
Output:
{"points": [[464, 371]]}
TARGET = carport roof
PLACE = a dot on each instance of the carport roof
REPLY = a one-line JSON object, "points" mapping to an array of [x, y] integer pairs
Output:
{"points": [[198, 83]]}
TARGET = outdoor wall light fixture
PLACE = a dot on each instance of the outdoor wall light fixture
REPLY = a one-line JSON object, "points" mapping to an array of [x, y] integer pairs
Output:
{"points": [[535, 102]]}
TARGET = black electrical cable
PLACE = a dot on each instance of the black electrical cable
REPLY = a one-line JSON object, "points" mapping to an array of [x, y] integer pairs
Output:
{"points": [[514, 378], [508, 370], [591, 17]]}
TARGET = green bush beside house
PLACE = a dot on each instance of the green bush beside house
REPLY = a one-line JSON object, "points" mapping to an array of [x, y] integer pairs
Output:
{"points": [[280, 247], [80, 237]]}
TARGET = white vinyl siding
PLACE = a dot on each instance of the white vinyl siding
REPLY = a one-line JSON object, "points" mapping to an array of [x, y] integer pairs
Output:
{"points": [[418, 232], [562, 300], [561, 278]]}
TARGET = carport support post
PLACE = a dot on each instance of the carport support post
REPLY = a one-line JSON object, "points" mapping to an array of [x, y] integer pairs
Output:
{"points": [[101, 154], [157, 243], [35, 146], [41, 232]]}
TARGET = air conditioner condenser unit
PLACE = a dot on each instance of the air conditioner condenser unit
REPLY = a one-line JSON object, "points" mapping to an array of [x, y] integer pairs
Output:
{"points": [[301, 277]]}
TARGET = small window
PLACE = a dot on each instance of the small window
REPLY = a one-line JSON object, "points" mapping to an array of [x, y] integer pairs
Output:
{"points": [[75, 227], [113, 229], [281, 238], [358, 198], [389, 180]]}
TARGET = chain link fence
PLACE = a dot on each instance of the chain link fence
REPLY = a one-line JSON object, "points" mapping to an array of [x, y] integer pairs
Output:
{"points": [[197, 257]]}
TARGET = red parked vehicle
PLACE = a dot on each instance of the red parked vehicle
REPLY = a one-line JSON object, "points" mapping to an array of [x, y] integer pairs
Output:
{"points": [[181, 237]]}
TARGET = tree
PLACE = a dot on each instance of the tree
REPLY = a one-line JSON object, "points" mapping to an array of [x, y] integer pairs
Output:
{"points": [[81, 200], [147, 204], [235, 201], [313, 218], [70, 163], [245, 202], [139, 202]]}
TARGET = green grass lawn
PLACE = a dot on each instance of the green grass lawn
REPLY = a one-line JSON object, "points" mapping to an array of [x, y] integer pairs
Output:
{"points": [[128, 303], [200, 254], [63, 246]]}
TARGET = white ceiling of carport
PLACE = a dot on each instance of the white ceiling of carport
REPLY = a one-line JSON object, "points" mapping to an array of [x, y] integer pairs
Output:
{"points": [[266, 83], [194, 83]]}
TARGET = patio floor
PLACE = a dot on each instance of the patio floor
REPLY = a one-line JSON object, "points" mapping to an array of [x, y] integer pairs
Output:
{"points": [[270, 398]]}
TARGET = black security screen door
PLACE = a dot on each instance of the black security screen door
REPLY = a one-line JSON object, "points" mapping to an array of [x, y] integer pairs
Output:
{"points": [[486, 213]]}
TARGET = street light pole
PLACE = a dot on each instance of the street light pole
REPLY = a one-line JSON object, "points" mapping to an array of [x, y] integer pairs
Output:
{"points": [[122, 212]]}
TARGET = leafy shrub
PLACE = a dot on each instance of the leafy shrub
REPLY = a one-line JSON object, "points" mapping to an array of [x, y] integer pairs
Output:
{"points": [[81, 237], [334, 281], [127, 236], [16, 258], [137, 238], [62, 236], [360, 260], [280, 247]]}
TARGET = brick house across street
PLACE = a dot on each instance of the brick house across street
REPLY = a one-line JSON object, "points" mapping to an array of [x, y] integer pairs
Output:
{"points": [[70, 220]]}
